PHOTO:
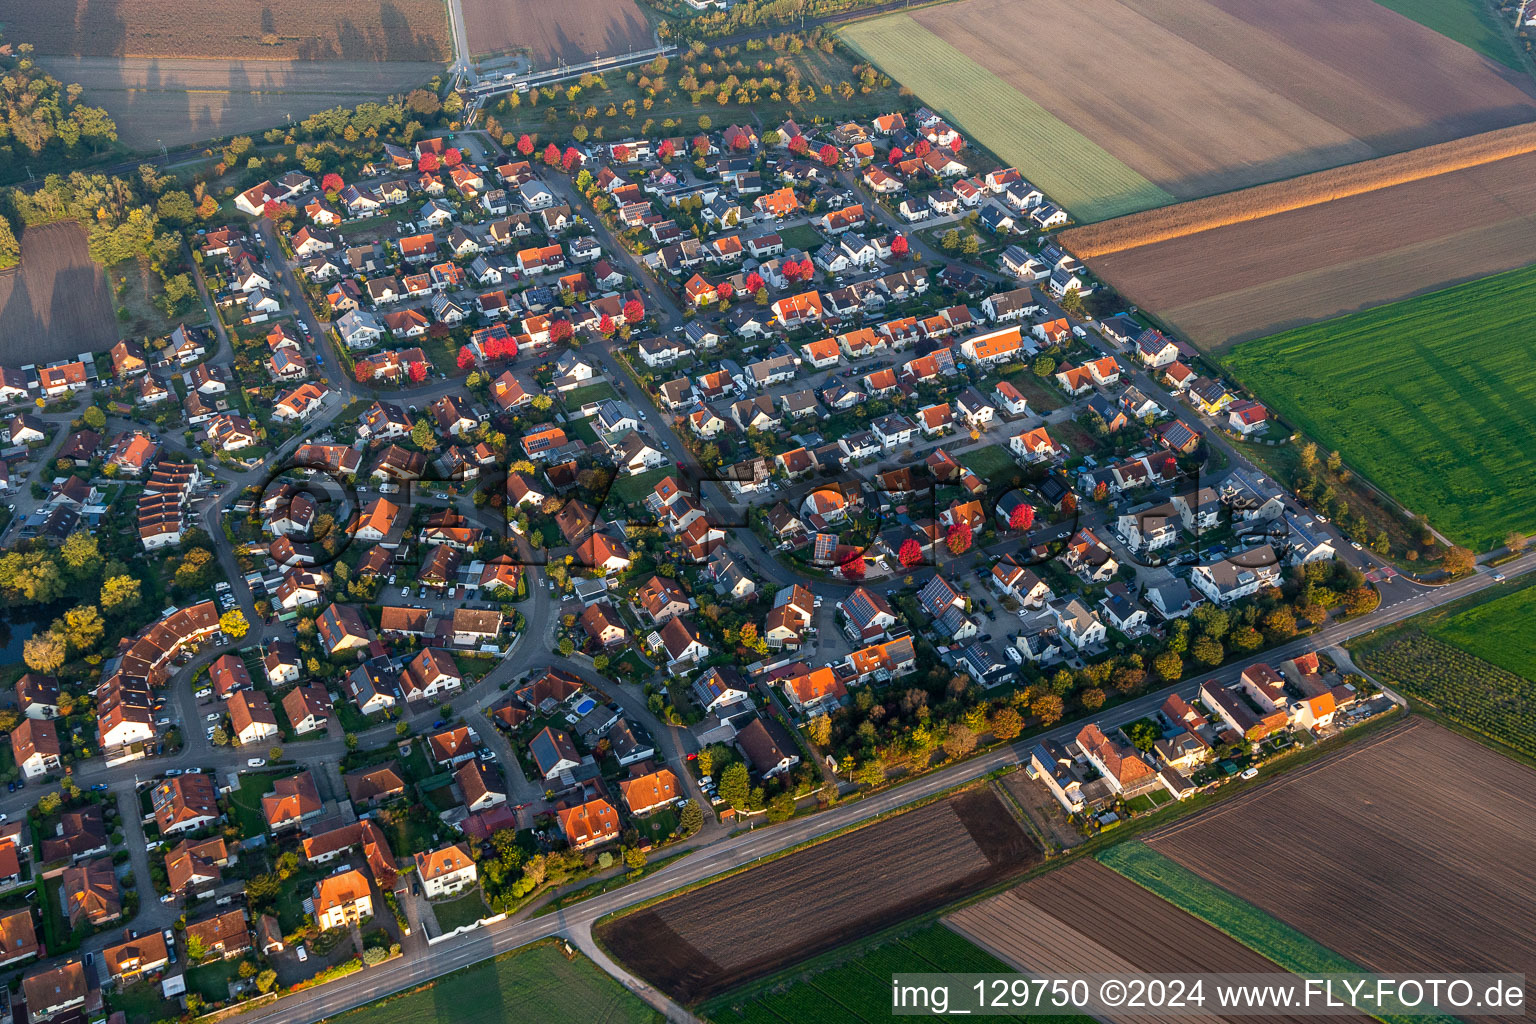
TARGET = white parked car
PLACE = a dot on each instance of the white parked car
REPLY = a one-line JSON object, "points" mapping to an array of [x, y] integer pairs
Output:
{"points": [[214, 717], [257, 762], [1250, 773], [303, 954]]}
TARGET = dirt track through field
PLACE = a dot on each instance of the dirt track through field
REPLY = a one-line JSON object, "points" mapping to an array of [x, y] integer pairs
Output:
{"points": [[170, 101], [1204, 96], [56, 303], [1251, 279], [570, 30], [1409, 852], [1087, 919], [705, 942]]}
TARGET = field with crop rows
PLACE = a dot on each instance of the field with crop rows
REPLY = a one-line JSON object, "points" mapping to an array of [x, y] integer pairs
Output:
{"points": [[1502, 631], [859, 989], [272, 30], [56, 303], [1086, 919], [1407, 851], [572, 30], [1074, 171], [1433, 399], [759, 921]]}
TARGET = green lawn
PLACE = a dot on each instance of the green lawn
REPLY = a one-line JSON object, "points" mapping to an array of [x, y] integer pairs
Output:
{"points": [[578, 397], [1433, 399], [535, 983], [212, 980], [142, 1003], [858, 989], [246, 803], [457, 913], [1254, 928], [992, 463], [1068, 167], [631, 490], [1470, 22], [802, 236]]}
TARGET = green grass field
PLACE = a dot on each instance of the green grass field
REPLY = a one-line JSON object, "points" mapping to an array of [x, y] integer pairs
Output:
{"points": [[1473, 663], [1470, 22], [859, 989], [534, 984], [1503, 631], [1433, 399], [1073, 171], [457, 913], [992, 463]]}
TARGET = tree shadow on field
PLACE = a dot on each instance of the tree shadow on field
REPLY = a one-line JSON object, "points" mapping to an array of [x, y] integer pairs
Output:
{"points": [[98, 29]]}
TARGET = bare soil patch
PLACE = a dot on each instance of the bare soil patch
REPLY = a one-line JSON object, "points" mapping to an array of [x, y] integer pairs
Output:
{"points": [[715, 938], [175, 101], [1204, 96], [1411, 852], [272, 30], [1087, 919], [1252, 279], [573, 30], [56, 303]]}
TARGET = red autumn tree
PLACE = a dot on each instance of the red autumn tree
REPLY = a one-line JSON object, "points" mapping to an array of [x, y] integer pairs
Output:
{"points": [[361, 373], [921, 149], [621, 154], [852, 567], [428, 163], [560, 330], [807, 269], [957, 145], [899, 245], [666, 150], [525, 144], [701, 144], [740, 143], [452, 157], [606, 326], [1101, 491], [726, 290], [1069, 504], [1022, 517], [551, 154], [958, 538], [634, 311], [417, 371], [466, 357], [911, 553], [754, 282], [897, 156], [798, 145], [828, 155], [332, 183], [571, 158]]}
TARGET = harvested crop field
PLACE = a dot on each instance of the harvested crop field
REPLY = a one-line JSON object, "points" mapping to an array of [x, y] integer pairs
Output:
{"points": [[1410, 851], [710, 940], [273, 30], [1432, 399], [1251, 279], [573, 30], [1196, 97], [155, 100], [1087, 919], [56, 303]]}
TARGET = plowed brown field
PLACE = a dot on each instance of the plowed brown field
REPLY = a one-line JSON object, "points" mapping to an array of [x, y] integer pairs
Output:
{"points": [[1251, 279], [751, 924], [1412, 852], [1087, 919], [57, 302], [1205, 96], [570, 30]]}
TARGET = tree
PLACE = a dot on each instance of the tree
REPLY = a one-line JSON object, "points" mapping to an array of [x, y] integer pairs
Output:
{"points": [[1280, 623], [959, 741], [1168, 666], [634, 311], [422, 436], [220, 737], [690, 819], [525, 144], [81, 555], [275, 754], [726, 291], [416, 370], [798, 145], [734, 786], [1048, 708], [466, 357], [551, 154], [50, 803], [196, 948], [331, 183], [452, 157], [570, 159], [911, 553], [1515, 542], [1092, 698], [94, 418], [233, 625], [899, 246], [950, 242], [44, 652], [120, 594], [667, 150], [263, 888], [828, 155], [819, 729], [754, 282], [1459, 560], [82, 627], [10, 248], [428, 163], [1245, 639], [852, 567], [1006, 724], [958, 538], [266, 981], [560, 331], [606, 326], [1207, 650], [1022, 517]]}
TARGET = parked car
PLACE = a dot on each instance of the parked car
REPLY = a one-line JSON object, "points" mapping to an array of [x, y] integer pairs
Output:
{"points": [[1250, 773], [301, 952], [257, 762]]}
